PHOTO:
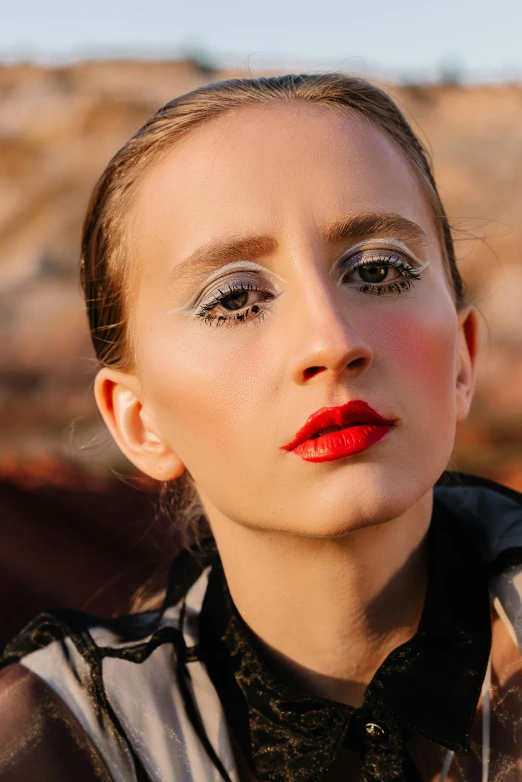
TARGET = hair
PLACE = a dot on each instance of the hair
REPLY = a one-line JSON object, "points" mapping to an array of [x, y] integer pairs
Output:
{"points": [[106, 268]]}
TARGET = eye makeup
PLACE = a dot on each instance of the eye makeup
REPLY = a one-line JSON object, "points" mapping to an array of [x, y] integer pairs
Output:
{"points": [[367, 257], [378, 243], [244, 266]]}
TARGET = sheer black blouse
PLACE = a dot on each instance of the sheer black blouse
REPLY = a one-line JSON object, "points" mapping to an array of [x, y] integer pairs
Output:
{"points": [[430, 685]]}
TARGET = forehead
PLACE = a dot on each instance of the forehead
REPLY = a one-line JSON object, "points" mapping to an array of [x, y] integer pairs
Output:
{"points": [[272, 169]]}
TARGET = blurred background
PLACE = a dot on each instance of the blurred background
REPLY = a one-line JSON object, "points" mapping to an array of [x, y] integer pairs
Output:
{"points": [[77, 80]]}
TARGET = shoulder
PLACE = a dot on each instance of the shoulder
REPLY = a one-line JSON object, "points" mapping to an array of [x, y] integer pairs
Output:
{"points": [[40, 737], [85, 666], [490, 512], [119, 679], [490, 515], [76, 641], [104, 674]]}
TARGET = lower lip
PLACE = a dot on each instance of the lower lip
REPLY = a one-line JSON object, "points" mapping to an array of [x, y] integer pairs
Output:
{"points": [[343, 442]]}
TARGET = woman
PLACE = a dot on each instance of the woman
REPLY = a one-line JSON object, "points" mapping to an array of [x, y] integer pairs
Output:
{"points": [[282, 329]]}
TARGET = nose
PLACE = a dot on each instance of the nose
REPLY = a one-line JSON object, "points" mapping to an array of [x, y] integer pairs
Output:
{"points": [[324, 338]]}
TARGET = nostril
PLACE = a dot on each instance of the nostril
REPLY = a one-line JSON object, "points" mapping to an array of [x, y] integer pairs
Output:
{"points": [[311, 371]]}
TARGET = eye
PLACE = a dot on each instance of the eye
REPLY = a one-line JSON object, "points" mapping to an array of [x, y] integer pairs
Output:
{"points": [[373, 272], [380, 272], [237, 302]]}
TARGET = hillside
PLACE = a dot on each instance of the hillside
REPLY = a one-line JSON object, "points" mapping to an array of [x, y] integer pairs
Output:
{"points": [[58, 129]]}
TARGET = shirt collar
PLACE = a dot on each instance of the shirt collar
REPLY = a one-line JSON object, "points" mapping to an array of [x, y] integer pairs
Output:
{"points": [[430, 685]]}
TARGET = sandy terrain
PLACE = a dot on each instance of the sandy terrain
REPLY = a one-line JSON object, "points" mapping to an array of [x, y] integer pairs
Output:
{"points": [[58, 128]]}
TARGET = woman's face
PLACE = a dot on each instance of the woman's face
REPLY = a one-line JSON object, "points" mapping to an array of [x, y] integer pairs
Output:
{"points": [[293, 196]]}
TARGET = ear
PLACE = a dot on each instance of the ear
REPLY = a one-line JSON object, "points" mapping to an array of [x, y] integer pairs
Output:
{"points": [[130, 422], [467, 350]]}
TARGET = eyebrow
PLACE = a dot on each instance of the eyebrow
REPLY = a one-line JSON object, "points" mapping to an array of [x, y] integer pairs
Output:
{"points": [[218, 253], [212, 255]]}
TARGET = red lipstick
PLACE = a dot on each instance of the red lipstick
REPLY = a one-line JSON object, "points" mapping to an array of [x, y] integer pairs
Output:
{"points": [[335, 432]]}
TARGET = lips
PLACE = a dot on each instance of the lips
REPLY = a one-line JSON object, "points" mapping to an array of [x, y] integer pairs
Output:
{"points": [[330, 419]]}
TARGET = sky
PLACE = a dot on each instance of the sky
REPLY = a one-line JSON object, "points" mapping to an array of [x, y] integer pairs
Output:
{"points": [[403, 39]]}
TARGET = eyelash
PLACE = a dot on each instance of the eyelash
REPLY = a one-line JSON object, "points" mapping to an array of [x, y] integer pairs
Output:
{"points": [[206, 314], [256, 312]]}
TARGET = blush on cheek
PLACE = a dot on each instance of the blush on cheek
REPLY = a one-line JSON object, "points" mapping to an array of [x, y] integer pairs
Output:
{"points": [[423, 346]]}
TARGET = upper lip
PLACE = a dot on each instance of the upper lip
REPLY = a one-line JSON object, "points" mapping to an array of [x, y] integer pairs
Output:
{"points": [[355, 412]]}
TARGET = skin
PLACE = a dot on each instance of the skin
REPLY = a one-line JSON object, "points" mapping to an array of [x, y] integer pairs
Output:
{"points": [[342, 542]]}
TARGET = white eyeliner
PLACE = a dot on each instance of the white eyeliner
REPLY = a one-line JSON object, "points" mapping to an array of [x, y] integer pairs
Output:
{"points": [[368, 245], [186, 309]]}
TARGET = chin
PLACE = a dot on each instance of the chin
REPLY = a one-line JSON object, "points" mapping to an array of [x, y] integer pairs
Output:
{"points": [[368, 496], [340, 524]]}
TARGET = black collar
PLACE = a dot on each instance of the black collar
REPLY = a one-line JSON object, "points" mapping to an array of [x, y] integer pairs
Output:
{"points": [[429, 686]]}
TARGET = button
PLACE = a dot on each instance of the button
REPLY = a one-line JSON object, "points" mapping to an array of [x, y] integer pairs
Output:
{"points": [[375, 732]]}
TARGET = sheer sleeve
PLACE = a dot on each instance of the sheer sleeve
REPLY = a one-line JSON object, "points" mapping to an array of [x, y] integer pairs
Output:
{"points": [[39, 736]]}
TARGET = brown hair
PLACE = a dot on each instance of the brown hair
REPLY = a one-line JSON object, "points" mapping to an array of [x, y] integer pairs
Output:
{"points": [[106, 271]]}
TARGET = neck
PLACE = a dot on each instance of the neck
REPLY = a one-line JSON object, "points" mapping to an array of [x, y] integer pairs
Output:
{"points": [[329, 610]]}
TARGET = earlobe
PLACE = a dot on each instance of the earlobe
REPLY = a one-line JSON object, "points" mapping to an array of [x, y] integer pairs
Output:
{"points": [[118, 397], [468, 344]]}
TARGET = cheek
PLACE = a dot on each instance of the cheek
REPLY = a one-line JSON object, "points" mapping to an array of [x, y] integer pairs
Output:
{"points": [[205, 387], [419, 350]]}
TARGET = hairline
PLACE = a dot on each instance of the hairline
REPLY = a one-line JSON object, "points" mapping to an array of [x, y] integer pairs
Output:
{"points": [[158, 154]]}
